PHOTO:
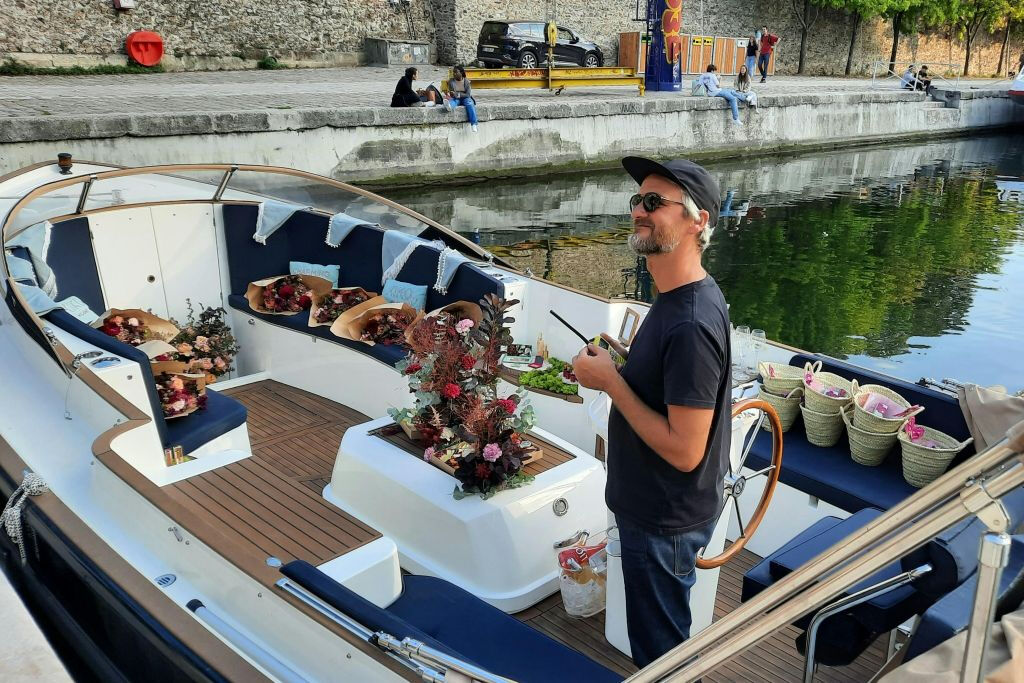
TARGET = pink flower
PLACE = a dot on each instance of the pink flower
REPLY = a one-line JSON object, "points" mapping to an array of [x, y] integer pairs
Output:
{"points": [[117, 320], [178, 406], [133, 322], [202, 343], [177, 384], [507, 404], [219, 362], [464, 326], [492, 452], [451, 390], [429, 453], [206, 364]]}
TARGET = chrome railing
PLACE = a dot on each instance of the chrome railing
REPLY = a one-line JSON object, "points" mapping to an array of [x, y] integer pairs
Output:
{"points": [[973, 489]]}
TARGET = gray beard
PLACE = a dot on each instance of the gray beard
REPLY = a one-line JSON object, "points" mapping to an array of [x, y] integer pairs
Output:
{"points": [[645, 246]]}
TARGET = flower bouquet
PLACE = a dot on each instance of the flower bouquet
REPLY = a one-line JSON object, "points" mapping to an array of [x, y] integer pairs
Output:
{"points": [[181, 392], [134, 326], [378, 324], [459, 317], [285, 294], [206, 343], [327, 306]]}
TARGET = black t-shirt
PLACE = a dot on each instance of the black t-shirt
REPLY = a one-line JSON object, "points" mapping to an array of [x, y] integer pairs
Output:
{"points": [[680, 356], [751, 48]]}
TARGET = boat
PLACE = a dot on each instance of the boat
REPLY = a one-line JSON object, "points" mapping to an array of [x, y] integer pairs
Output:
{"points": [[289, 530], [1016, 90]]}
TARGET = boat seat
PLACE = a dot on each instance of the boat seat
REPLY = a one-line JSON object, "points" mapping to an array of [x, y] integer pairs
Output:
{"points": [[301, 238], [447, 618], [951, 614], [831, 474], [953, 555], [221, 415]]}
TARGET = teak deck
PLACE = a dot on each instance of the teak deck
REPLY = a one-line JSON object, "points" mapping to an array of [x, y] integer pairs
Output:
{"points": [[271, 501]]}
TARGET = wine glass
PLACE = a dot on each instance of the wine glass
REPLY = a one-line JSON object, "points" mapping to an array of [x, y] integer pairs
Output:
{"points": [[742, 334], [757, 339]]}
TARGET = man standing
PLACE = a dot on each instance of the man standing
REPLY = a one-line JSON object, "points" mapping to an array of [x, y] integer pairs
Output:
{"points": [[669, 429], [768, 41]]}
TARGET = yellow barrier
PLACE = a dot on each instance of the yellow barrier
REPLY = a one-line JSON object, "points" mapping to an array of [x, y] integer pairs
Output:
{"points": [[555, 78]]}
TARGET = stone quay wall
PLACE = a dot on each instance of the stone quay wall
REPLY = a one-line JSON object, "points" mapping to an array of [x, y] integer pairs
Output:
{"points": [[235, 33]]}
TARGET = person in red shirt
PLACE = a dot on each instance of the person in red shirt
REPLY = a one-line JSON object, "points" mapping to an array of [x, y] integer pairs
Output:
{"points": [[768, 42]]}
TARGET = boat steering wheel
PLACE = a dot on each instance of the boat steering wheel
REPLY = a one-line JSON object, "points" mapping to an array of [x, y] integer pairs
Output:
{"points": [[736, 482]]}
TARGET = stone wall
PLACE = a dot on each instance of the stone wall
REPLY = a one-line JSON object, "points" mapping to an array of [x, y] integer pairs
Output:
{"points": [[319, 31]]}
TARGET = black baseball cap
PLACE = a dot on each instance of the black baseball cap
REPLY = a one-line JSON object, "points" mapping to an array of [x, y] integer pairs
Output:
{"points": [[693, 178]]}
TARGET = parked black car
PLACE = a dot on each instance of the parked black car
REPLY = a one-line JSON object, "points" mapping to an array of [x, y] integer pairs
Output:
{"points": [[522, 44]]}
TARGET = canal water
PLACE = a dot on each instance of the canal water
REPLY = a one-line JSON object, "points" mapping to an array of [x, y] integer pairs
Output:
{"points": [[904, 258]]}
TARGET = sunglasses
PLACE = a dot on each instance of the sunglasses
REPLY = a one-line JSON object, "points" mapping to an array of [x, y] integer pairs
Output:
{"points": [[652, 201]]}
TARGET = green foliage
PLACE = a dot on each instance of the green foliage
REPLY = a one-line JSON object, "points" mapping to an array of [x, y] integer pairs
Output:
{"points": [[549, 379], [12, 67], [269, 62]]}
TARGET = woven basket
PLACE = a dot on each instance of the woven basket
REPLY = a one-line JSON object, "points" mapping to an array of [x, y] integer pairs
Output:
{"points": [[870, 422], [788, 406], [786, 377], [830, 405], [922, 466], [823, 429], [866, 447]]}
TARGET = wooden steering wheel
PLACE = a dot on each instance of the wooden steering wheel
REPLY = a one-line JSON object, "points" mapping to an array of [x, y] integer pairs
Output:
{"points": [[736, 482]]}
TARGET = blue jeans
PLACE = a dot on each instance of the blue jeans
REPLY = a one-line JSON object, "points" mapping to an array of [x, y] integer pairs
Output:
{"points": [[762, 65], [469, 104], [658, 572], [750, 65], [731, 96]]}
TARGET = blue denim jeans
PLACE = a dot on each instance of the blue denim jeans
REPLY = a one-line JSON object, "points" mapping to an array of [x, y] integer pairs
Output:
{"points": [[658, 572], [750, 65], [731, 96], [470, 106], [762, 65]]}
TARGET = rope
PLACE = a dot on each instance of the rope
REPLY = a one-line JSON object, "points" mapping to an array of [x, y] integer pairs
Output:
{"points": [[31, 485]]}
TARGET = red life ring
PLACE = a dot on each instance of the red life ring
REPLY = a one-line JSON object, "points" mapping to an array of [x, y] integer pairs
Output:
{"points": [[144, 47]]}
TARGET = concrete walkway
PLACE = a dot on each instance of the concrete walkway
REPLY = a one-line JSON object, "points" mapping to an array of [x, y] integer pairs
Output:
{"points": [[312, 89], [25, 655]]}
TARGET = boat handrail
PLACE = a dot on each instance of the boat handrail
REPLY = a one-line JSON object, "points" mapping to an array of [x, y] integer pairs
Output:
{"points": [[974, 488]]}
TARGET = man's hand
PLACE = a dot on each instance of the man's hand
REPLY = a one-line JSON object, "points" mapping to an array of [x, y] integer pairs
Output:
{"points": [[595, 369], [616, 346]]}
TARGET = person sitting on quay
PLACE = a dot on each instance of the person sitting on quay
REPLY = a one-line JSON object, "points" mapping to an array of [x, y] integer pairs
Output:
{"points": [[709, 80], [742, 85], [460, 93], [909, 79], [924, 79], [406, 96]]}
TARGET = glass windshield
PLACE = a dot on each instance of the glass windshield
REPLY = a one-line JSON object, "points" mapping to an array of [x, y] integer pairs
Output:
{"points": [[493, 31]]}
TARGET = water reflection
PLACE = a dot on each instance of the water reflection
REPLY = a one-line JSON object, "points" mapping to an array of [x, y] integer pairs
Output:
{"points": [[901, 258]]}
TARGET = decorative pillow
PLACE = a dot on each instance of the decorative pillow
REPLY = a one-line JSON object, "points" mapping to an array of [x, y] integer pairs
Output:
{"points": [[79, 309], [21, 269], [326, 272], [404, 293]]}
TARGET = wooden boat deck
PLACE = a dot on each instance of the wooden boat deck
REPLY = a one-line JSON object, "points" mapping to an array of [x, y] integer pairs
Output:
{"points": [[271, 503]]}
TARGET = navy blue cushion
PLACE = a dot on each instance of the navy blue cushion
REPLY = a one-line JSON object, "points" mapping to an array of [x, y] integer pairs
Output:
{"points": [[878, 614], [71, 259], [301, 238], [469, 283], [448, 618], [300, 323], [951, 614], [221, 415]]}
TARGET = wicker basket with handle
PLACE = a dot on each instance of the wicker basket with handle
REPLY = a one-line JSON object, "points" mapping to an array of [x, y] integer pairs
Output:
{"points": [[788, 406], [872, 422], [923, 465], [780, 378], [823, 429], [866, 447], [821, 403]]}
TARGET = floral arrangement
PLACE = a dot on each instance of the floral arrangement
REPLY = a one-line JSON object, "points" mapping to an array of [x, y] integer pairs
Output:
{"points": [[288, 294], [557, 378], [180, 394], [129, 330], [205, 343], [387, 326], [458, 414], [916, 434], [337, 301]]}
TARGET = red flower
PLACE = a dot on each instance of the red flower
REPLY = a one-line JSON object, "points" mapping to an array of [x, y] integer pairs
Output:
{"points": [[483, 470], [507, 404], [468, 362], [285, 291], [305, 301], [451, 390], [413, 368], [515, 439], [112, 329]]}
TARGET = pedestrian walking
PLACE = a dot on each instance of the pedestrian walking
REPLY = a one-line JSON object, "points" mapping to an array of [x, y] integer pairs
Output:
{"points": [[752, 43], [768, 43]]}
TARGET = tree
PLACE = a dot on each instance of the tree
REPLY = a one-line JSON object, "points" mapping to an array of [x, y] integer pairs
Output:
{"points": [[967, 17], [859, 10], [807, 20], [1010, 15], [902, 13]]}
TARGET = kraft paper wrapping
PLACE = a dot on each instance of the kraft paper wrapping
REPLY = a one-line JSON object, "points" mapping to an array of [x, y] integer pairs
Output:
{"points": [[254, 292], [180, 369], [353, 328], [156, 327], [318, 298]]}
